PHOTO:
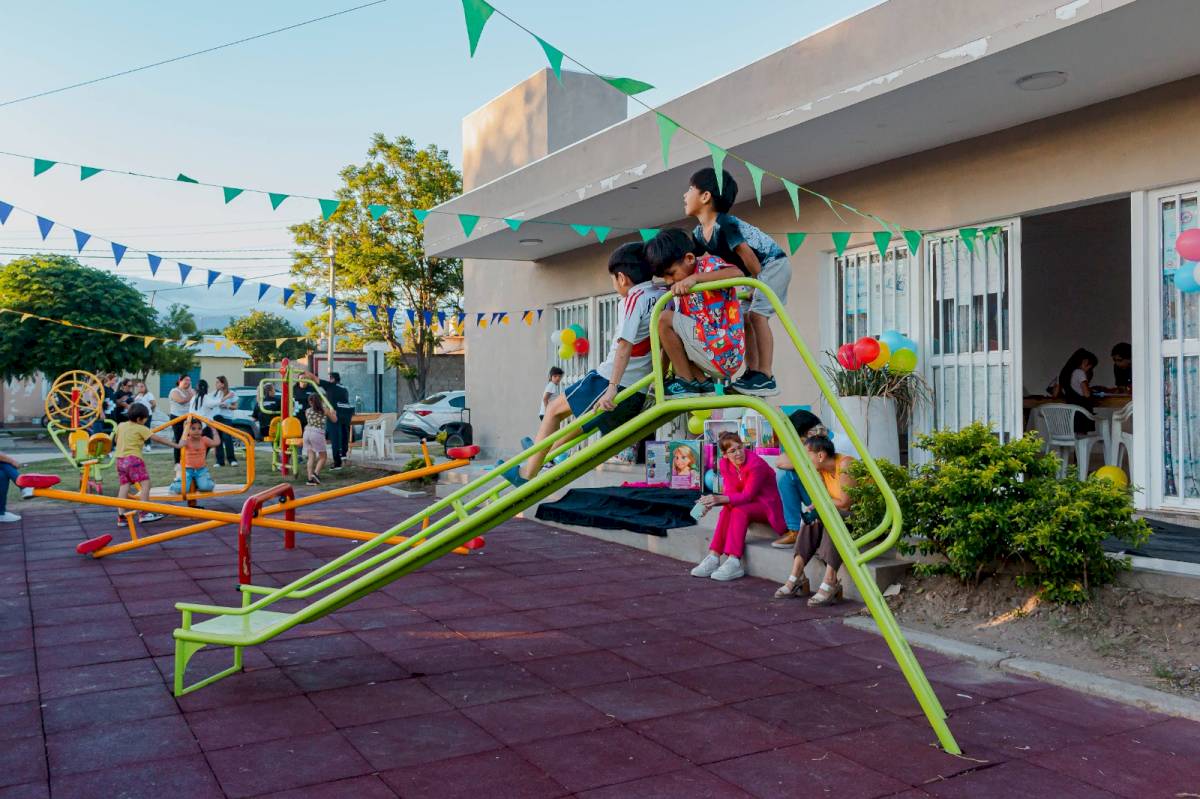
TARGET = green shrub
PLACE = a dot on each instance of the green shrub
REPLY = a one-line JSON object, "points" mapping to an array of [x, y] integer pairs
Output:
{"points": [[418, 462], [981, 504]]}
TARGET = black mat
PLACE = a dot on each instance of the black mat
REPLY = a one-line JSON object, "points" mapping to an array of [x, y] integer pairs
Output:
{"points": [[1169, 542], [652, 511]]}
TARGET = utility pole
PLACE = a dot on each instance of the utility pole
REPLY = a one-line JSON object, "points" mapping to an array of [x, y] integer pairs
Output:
{"points": [[332, 312]]}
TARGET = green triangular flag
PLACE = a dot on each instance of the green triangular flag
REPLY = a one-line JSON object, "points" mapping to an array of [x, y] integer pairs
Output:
{"points": [[756, 176], [468, 222], [968, 234], [630, 86], [377, 210], [276, 200], [718, 159], [328, 208], [829, 203], [515, 224], [794, 192], [883, 238], [913, 237], [420, 214], [182, 178], [477, 13], [86, 172], [40, 165], [553, 55], [582, 230], [666, 129], [989, 232], [602, 232], [648, 233], [840, 240], [230, 193], [794, 241]]}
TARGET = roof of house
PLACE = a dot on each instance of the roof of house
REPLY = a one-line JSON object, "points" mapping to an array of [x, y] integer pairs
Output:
{"points": [[219, 347], [902, 77]]}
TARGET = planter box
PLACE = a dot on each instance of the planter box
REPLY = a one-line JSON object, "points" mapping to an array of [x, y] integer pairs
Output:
{"points": [[874, 419]]}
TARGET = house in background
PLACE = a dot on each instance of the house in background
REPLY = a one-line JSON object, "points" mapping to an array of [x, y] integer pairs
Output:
{"points": [[1067, 127], [215, 356]]}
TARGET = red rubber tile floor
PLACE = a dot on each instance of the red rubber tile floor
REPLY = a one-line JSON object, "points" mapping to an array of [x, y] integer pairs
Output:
{"points": [[548, 664]]}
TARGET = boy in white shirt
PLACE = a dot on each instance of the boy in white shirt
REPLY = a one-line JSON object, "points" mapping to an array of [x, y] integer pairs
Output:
{"points": [[628, 361], [553, 389]]}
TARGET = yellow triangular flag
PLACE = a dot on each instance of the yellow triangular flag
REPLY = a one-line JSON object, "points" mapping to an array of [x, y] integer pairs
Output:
{"points": [[147, 341], [279, 342], [217, 345], [125, 336], [25, 316], [504, 320]]}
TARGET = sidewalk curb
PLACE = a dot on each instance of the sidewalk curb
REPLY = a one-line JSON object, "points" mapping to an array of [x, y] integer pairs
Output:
{"points": [[1075, 679]]}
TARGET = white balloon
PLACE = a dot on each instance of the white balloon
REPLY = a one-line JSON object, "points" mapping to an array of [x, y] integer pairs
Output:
{"points": [[556, 338]]}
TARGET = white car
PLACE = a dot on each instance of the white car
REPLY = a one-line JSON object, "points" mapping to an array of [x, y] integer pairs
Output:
{"points": [[425, 419]]}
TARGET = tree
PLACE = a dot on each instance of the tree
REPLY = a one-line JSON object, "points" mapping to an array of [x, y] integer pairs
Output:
{"points": [[257, 333], [59, 287], [382, 262], [176, 323]]}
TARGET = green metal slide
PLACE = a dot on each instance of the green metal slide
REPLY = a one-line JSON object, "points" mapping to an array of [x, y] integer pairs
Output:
{"points": [[489, 500]]}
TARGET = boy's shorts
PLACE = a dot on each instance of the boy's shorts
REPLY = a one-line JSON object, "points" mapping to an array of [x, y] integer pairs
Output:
{"points": [[685, 327], [132, 469], [582, 396], [777, 275], [198, 479]]}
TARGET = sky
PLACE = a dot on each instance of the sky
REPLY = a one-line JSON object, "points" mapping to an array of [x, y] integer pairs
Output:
{"points": [[287, 112]]}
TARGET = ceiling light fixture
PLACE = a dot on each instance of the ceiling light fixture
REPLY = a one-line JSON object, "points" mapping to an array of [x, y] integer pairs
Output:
{"points": [[530, 242], [1041, 81]]}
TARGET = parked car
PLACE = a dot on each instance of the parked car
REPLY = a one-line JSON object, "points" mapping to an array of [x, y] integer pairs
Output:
{"points": [[435, 413], [243, 416]]}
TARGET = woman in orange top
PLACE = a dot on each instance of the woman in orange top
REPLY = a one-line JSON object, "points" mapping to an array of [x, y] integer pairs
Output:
{"points": [[813, 540]]}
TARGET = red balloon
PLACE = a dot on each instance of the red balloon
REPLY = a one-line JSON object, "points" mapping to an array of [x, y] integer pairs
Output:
{"points": [[866, 349], [581, 346], [1188, 245], [847, 358]]}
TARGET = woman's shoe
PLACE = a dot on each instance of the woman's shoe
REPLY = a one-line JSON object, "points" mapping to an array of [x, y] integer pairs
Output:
{"points": [[706, 567], [785, 541], [826, 595], [792, 588]]}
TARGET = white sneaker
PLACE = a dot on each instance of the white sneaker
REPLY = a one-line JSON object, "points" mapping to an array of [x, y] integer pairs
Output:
{"points": [[26, 493], [9, 517], [707, 566], [731, 569], [146, 448]]}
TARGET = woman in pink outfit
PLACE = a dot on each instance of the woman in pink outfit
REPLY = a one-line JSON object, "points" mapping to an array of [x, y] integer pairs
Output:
{"points": [[751, 495]]}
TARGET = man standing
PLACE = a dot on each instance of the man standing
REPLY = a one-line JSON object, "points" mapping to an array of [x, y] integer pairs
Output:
{"points": [[339, 395]]}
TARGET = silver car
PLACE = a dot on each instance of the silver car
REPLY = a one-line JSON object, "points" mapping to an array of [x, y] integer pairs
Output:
{"points": [[425, 419]]}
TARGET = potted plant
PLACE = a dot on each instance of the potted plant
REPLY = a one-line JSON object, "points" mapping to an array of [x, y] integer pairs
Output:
{"points": [[879, 395]]}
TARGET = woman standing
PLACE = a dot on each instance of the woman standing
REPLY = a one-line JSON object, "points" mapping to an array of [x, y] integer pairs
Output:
{"points": [[225, 400], [179, 402]]}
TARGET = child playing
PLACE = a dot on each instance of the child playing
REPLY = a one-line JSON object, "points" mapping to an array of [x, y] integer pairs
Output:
{"points": [[704, 335], [553, 389], [314, 436], [628, 360], [132, 435], [756, 254], [195, 451]]}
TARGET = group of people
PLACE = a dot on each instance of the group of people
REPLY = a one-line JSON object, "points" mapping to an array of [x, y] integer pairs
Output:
{"points": [[1074, 382]]}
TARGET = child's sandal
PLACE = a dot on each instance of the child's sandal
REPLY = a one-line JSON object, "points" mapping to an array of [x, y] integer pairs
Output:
{"points": [[792, 588], [826, 595]]}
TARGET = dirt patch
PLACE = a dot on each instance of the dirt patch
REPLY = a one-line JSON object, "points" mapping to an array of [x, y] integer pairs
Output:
{"points": [[1123, 633]]}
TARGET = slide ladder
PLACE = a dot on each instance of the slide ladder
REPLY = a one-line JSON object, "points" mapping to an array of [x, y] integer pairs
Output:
{"points": [[489, 500]]}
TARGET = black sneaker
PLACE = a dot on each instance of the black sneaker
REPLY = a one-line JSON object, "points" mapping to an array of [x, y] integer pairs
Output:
{"points": [[678, 388], [756, 384], [706, 386], [745, 383]]}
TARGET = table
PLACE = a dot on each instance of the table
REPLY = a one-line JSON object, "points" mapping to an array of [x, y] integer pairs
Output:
{"points": [[359, 418], [1109, 420]]}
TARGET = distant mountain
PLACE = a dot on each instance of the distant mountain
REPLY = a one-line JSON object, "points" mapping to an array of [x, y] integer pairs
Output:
{"points": [[215, 307]]}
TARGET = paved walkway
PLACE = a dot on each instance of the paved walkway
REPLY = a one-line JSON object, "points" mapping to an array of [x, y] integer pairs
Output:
{"points": [[549, 665]]}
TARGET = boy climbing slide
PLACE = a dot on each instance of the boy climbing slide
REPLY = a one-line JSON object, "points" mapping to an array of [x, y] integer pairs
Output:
{"points": [[628, 361]]}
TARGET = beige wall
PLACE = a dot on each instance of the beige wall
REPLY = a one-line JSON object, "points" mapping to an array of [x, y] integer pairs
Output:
{"points": [[1102, 151], [22, 401]]}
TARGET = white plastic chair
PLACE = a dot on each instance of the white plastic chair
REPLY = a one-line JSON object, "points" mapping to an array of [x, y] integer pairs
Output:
{"points": [[377, 437], [1059, 419], [1122, 438]]}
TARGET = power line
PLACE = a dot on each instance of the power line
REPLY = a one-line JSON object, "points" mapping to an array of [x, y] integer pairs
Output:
{"points": [[188, 55]]}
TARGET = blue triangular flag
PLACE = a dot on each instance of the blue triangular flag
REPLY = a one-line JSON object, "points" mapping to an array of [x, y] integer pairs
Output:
{"points": [[374, 309], [412, 316], [212, 276], [263, 288], [540, 314], [462, 317], [287, 295], [5, 210], [442, 318], [237, 282], [154, 260], [81, 239], [428, 317], [45, 225], [308, 299], [496, 316], [184, 270], [479, 318], [353, 306], [391, 315], [118, 252], [331, 302]]}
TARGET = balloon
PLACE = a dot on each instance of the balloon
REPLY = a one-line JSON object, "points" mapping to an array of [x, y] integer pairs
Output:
{"points": [[706, 414], [582, 346], [566, 352], [579, 331], [710, 480], [881, 360], [866, 349], [905, 343], [903, 362], [1188, 245], [1113, 474], [892, 338], [847, 358], [567, 336], [1185, 279], [556, 338], [695, 425]]}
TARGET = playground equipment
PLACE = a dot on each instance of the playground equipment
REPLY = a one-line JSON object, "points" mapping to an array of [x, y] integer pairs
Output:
{"points": [[489, 500], [73, 406], [285, 432]]}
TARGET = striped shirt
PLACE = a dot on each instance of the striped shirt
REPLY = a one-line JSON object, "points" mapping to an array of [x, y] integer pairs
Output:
{"points": [[633, 325]]}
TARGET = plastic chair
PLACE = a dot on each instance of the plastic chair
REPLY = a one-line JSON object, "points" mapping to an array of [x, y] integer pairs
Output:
{"points": [[1121, 437], [377, 437], [1059, 418]]}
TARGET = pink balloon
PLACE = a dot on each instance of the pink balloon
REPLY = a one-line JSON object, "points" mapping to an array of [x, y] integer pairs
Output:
{"points": [[1188, 245], [581, 346], [847, 358]]}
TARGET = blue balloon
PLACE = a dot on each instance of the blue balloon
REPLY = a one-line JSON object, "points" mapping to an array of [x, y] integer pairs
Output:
{"points": [[1185, 278], [710, 480], [892, 338], [906, 343]]}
